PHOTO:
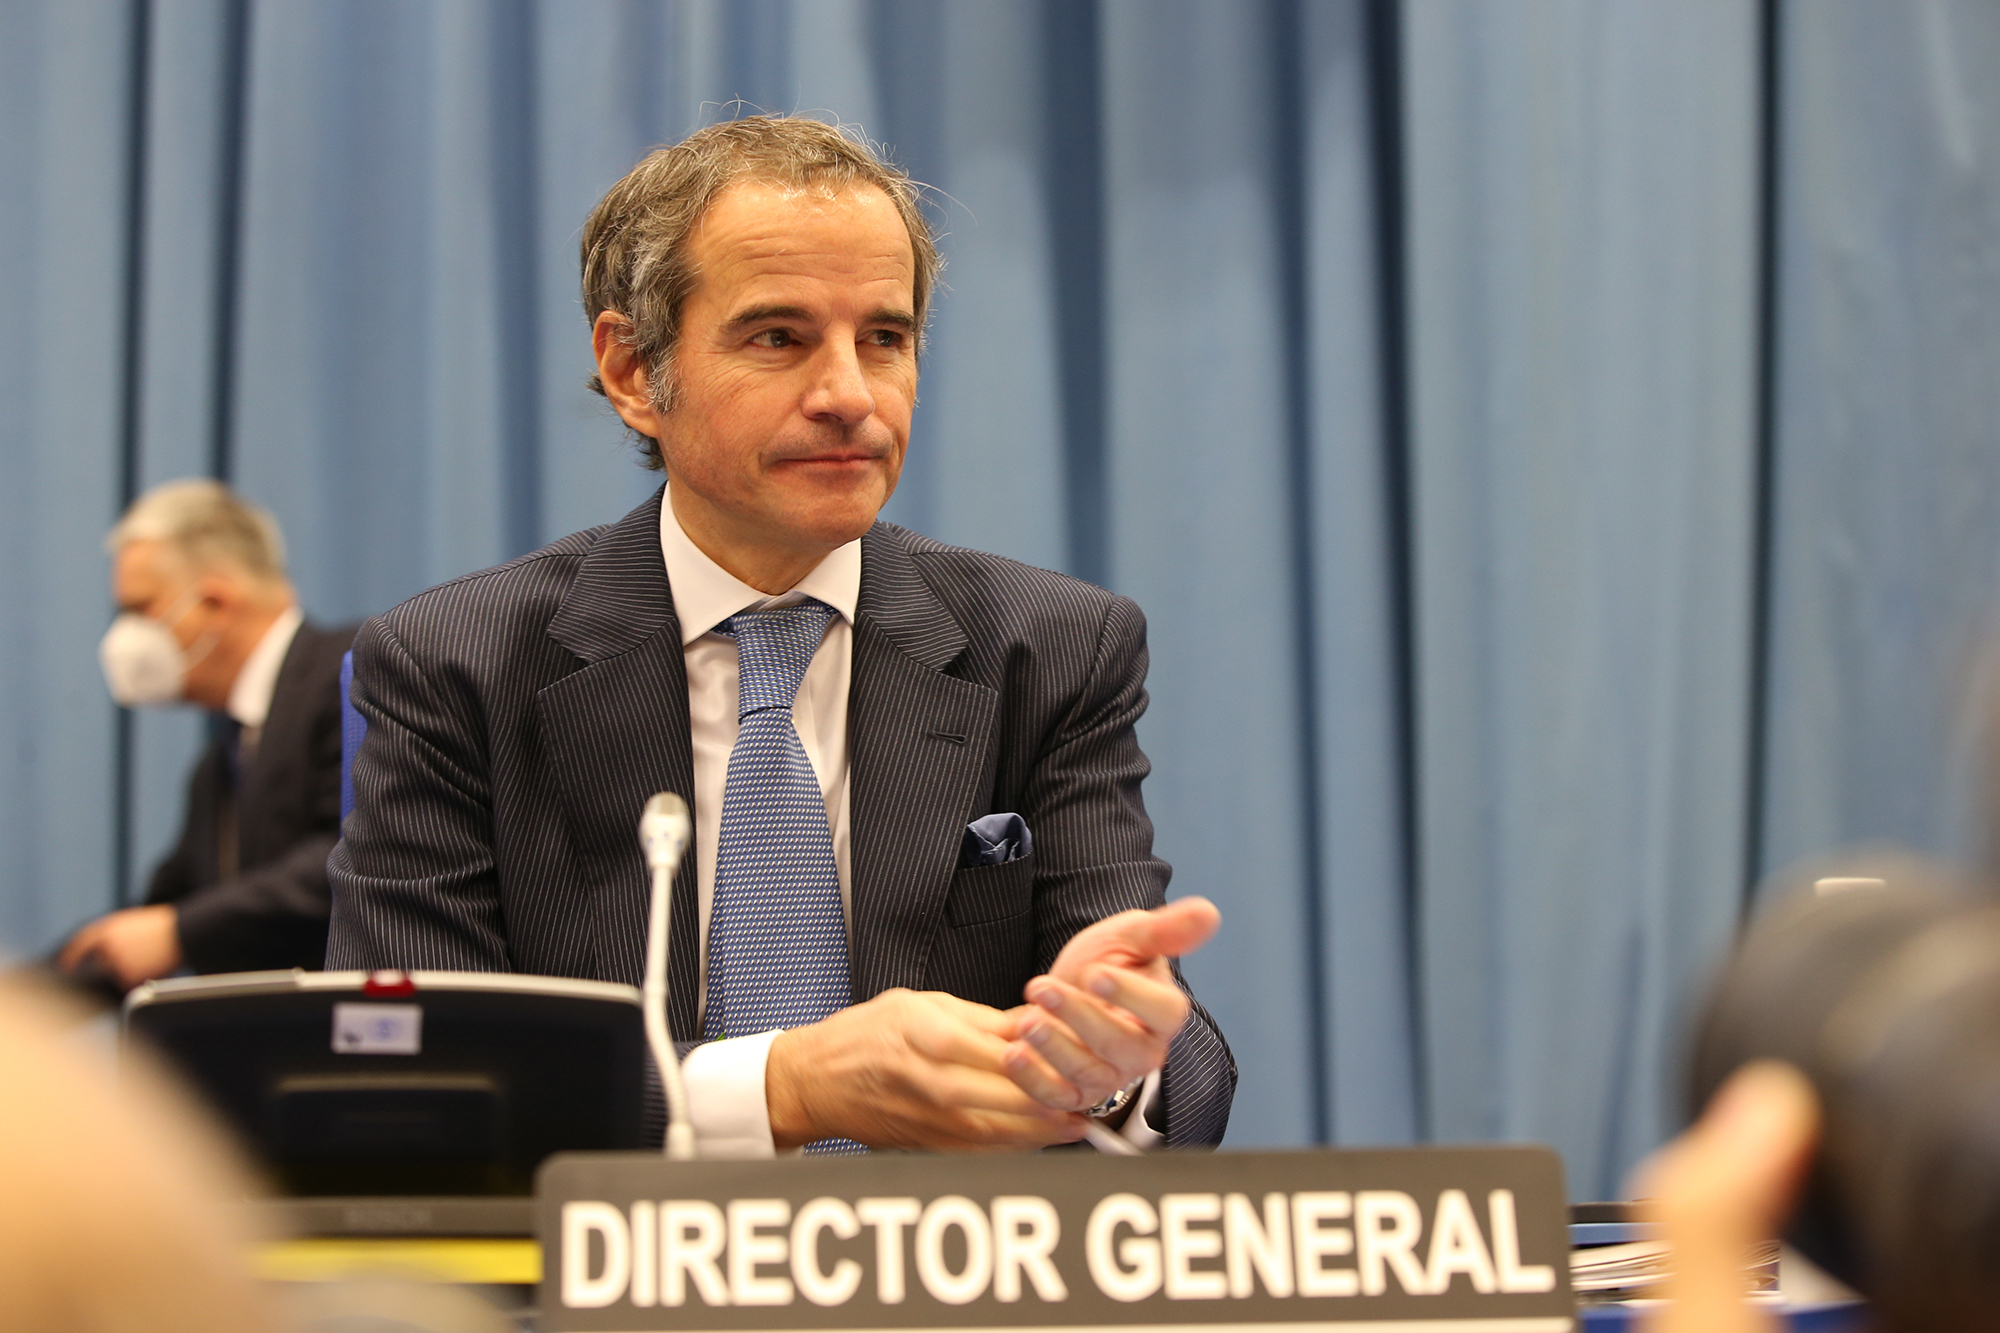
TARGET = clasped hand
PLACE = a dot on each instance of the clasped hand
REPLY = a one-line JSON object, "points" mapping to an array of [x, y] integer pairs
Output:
{"points": [[1106, 1012], [910, 1069]]}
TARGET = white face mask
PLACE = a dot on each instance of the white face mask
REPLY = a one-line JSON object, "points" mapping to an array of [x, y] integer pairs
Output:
{"points": [[143, 662]]}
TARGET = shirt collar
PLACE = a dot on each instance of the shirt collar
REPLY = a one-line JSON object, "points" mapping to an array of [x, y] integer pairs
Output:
{"points": [[706, 594], [257, 679]]}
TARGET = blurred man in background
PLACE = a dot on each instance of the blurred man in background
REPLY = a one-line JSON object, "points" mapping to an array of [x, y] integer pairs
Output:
{"points": [[206, 616]]}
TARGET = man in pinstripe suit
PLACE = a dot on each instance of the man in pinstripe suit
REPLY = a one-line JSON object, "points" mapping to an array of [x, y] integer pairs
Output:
{"points": [[757, 295]]}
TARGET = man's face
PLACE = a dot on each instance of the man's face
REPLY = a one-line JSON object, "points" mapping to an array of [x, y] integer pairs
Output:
{"points": [[797, 368], [149, 578]]}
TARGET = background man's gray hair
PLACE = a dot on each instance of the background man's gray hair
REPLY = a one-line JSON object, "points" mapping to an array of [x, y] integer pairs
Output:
{"points": [[635, 244], [207, 524]]}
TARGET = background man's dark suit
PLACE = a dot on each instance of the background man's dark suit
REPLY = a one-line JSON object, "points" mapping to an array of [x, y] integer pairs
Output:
{"points": [[273, 911], [519, 718]]}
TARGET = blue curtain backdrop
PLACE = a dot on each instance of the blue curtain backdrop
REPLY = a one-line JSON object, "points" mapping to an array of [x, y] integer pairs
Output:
{"points": [[1553, 441], [1583, 230]]}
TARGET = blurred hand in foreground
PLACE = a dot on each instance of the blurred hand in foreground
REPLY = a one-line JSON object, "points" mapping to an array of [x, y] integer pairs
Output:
{"points": [[1724, 1187], [124, 1205]]}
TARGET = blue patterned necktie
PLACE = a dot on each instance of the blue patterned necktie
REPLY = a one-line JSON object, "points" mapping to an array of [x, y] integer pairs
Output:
{"points": [[777, 940]]}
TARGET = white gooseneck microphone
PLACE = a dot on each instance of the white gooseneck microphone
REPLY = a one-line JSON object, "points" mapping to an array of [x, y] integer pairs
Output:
{"points": [[664, 831]]}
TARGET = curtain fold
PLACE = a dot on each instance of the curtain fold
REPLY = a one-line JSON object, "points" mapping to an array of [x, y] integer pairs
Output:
{"points": [[66, 155], [1198, 471], [1886, 540], [185, 239], [1584, 452]]}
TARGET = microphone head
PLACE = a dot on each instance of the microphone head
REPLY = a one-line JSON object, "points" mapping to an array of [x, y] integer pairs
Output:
{"points": [[664, 829]]}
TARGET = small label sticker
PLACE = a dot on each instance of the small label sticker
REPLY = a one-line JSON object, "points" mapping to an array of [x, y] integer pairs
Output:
{"points": [[378, 1029]]}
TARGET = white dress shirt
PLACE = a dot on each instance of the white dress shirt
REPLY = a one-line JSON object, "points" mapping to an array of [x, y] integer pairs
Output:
{"points": [[256, 680], [725, 1079]]}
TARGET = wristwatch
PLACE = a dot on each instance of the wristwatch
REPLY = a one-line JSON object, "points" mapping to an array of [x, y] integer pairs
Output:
{"points": [[1117, 1101]]}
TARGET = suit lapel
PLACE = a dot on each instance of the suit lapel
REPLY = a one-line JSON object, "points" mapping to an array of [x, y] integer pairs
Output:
{"points": [[282, 742], [918, 743], [617, 732]]}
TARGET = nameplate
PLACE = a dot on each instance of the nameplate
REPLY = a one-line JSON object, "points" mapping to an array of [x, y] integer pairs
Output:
{"points": [[1459, 1239]]}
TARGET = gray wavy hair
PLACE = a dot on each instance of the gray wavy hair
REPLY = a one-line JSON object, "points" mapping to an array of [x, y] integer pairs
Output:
{"points": [[635, 243], [206, 524]]}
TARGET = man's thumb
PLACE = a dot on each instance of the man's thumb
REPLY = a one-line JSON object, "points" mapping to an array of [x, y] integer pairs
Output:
{"points": [[1183, 926]]}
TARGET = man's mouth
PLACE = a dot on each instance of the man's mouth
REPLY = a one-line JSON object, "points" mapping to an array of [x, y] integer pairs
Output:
{"points": [[841, 456]]}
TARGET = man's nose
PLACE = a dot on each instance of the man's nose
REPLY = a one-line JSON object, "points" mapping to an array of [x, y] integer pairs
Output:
{"points": [[840, 390]]}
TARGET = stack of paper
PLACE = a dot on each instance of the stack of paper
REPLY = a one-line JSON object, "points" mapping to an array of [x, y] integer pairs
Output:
{"points": [[1608, 1272], [1601, 1273]]}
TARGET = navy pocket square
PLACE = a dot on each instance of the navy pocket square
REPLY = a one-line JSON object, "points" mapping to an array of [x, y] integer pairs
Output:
{"points": [[994, 840]]}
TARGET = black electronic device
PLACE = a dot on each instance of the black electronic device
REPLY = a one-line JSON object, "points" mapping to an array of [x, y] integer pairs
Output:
{"points": [[405, 1083], [1880, 980]]}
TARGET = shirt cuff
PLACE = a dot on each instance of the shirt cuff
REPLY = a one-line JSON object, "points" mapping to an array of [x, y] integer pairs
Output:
{"points": [[725, 1088], [1137, 1129]]}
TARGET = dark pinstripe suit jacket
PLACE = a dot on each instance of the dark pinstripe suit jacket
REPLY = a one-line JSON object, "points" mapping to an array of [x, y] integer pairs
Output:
{"points": [[272, 913], [518, 719]]}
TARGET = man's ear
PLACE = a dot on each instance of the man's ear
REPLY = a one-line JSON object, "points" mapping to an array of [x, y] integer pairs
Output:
{"points": [[624, 378]]}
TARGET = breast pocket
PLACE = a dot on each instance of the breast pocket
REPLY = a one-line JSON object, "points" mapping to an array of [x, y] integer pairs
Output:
{"points": [[986, 952], [991, 893]]}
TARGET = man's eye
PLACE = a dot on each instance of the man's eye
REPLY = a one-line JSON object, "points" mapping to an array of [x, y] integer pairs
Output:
{"points": [[774, 338], [886, 337]]}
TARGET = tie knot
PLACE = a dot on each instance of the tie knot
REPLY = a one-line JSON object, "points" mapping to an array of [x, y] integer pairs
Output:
{"points": [[773, 650]]}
